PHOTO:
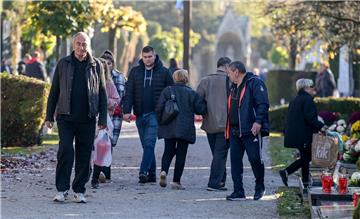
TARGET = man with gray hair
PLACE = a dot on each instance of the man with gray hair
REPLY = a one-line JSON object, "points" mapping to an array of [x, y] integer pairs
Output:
{"points": [[214, 89], [78, 94]]}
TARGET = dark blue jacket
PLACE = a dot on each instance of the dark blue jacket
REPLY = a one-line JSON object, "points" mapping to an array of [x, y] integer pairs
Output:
{"points": [[254, 106]]}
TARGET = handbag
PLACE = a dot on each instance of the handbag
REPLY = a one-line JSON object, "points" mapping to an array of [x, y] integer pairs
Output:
{"points": [[171, 109], [324, 151]]}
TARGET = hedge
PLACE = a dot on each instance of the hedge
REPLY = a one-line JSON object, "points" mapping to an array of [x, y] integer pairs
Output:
{"points": [[345, 106], [281, 84], [23, 106]]}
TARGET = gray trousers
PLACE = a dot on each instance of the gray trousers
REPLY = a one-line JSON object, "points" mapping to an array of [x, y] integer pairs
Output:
{"points": [[219, 149]]}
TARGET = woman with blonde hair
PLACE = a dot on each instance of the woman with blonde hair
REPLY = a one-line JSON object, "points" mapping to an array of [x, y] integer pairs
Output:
{"points": [[180, 131]]}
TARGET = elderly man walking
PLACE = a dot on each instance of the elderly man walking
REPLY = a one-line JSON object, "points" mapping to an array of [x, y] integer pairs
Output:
{"points": [[248, 121], [214, 88], [78, 94]]}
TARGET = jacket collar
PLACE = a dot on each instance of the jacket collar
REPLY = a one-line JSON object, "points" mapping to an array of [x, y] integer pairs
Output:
{"points": [[220, 72], [303, 92]]}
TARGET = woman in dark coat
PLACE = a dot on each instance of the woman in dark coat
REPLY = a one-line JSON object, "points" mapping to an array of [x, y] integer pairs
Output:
{"points": [[302, 122], [180, 132]]}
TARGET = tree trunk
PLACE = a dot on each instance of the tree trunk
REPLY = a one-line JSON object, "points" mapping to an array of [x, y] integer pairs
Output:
{"points": [[15, 45], [58, 44], [113, 42], [293, 53]]}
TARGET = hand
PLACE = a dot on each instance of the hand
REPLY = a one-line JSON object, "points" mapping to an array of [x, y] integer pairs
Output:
{"points": [[102, 127], [255, 128], [49, 124], [127, 117]]}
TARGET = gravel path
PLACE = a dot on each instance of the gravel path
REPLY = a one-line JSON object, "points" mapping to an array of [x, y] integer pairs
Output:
{"points": [[28, 194]]}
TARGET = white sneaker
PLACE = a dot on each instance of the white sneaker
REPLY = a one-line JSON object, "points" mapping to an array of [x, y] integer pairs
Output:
{"points": [[163, 182], [79, 198], [61, 196]]}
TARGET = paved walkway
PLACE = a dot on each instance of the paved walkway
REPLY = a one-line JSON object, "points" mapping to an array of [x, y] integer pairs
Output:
{"points": [[25, 195]]}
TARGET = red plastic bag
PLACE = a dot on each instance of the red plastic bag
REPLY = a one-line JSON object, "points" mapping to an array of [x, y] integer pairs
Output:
{"points": [[102, 153]]}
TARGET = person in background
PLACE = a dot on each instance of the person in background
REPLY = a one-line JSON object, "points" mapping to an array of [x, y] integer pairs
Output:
{"points": [[214, 89], [35, 68], [302, 122], [325, 81], [180, 132], [113, 100], [173, 65], [248, 113], [143, 88], [119, 81]]}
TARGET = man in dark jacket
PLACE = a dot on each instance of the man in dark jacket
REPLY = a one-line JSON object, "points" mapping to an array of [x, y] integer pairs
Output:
{"points": [[143, 88], [302, 122], [78, 94], [248, 108], [214, 88], [35, 68], [325, 82]]}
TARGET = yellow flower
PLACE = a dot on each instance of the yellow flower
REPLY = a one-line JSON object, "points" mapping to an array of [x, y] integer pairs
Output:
{"points": [[344, 138], [355, 127]]}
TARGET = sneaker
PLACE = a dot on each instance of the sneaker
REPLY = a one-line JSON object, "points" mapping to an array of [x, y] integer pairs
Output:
{"points": [[151, 178], [143, 178], [284, 177], [259, 194], [177, 186], [61, 196], [216, 189], [163, 182], [79, 198], [94, 185], [236, 196], [102, 178]]}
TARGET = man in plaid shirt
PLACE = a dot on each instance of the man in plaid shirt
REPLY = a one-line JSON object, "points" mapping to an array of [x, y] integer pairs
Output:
{"points": [[119, 81]]}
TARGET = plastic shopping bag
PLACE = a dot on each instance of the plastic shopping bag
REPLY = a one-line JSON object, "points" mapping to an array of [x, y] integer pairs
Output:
{"points": [[102, 154]]}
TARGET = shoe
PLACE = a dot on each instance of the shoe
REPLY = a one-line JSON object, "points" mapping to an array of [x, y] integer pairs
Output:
{"points": [[236, 196], [151, 178], [143, 178], [284, 177], [177, 186], [259, 194], [102, 178], [94, 185], [61, 196], [163, 182], [79, 198], [216, 189]]}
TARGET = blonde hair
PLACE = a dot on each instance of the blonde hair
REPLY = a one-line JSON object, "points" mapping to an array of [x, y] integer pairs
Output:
{"points": [[303, 83], [181, 76]]}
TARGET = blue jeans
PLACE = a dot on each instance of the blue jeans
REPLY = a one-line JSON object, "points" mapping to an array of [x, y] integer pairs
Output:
{"points": [[252, 145], [147, 126]]}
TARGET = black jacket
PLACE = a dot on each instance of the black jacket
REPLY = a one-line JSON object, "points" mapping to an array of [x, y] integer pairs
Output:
{"points": [[36, 70], [254, 106], [134, 86], [60, 92], [302, 121], [189, 102]]}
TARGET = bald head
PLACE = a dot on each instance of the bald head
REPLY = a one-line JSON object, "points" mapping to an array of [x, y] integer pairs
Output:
{"points": [[81, 45]]}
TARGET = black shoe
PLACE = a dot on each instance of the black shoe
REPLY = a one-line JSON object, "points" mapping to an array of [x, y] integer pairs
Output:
{"points": [[143, 178], [259, 193], [283, 176], [216, 189], [236, 196], [94, 185], [151, 179]]}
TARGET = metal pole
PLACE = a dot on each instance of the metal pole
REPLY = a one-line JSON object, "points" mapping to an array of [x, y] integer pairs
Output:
{"points": [[186, 39]]}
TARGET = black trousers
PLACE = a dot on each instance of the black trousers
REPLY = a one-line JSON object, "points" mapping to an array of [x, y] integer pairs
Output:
{"points": [[174, 147], [303, 163], [84, 134], [219, 150]]}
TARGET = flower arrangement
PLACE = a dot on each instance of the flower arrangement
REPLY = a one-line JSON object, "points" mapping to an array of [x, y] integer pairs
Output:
{"points": [[329, 117], [355, 179], [352, 144], [339, 126]]}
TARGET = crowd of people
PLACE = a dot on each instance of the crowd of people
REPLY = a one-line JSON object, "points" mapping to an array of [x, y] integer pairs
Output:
{"points": [[232, 101], [87, 90]]}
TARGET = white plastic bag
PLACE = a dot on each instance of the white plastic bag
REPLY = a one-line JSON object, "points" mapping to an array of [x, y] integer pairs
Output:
{"points": [[102, 154]]}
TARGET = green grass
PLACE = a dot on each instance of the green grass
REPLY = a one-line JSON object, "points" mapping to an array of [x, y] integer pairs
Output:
{"points": [[290, 205], [49, 141], [280, 156]]}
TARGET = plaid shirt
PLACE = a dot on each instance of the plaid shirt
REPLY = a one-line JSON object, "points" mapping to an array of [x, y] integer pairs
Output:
{"points": [[119, 81]]}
